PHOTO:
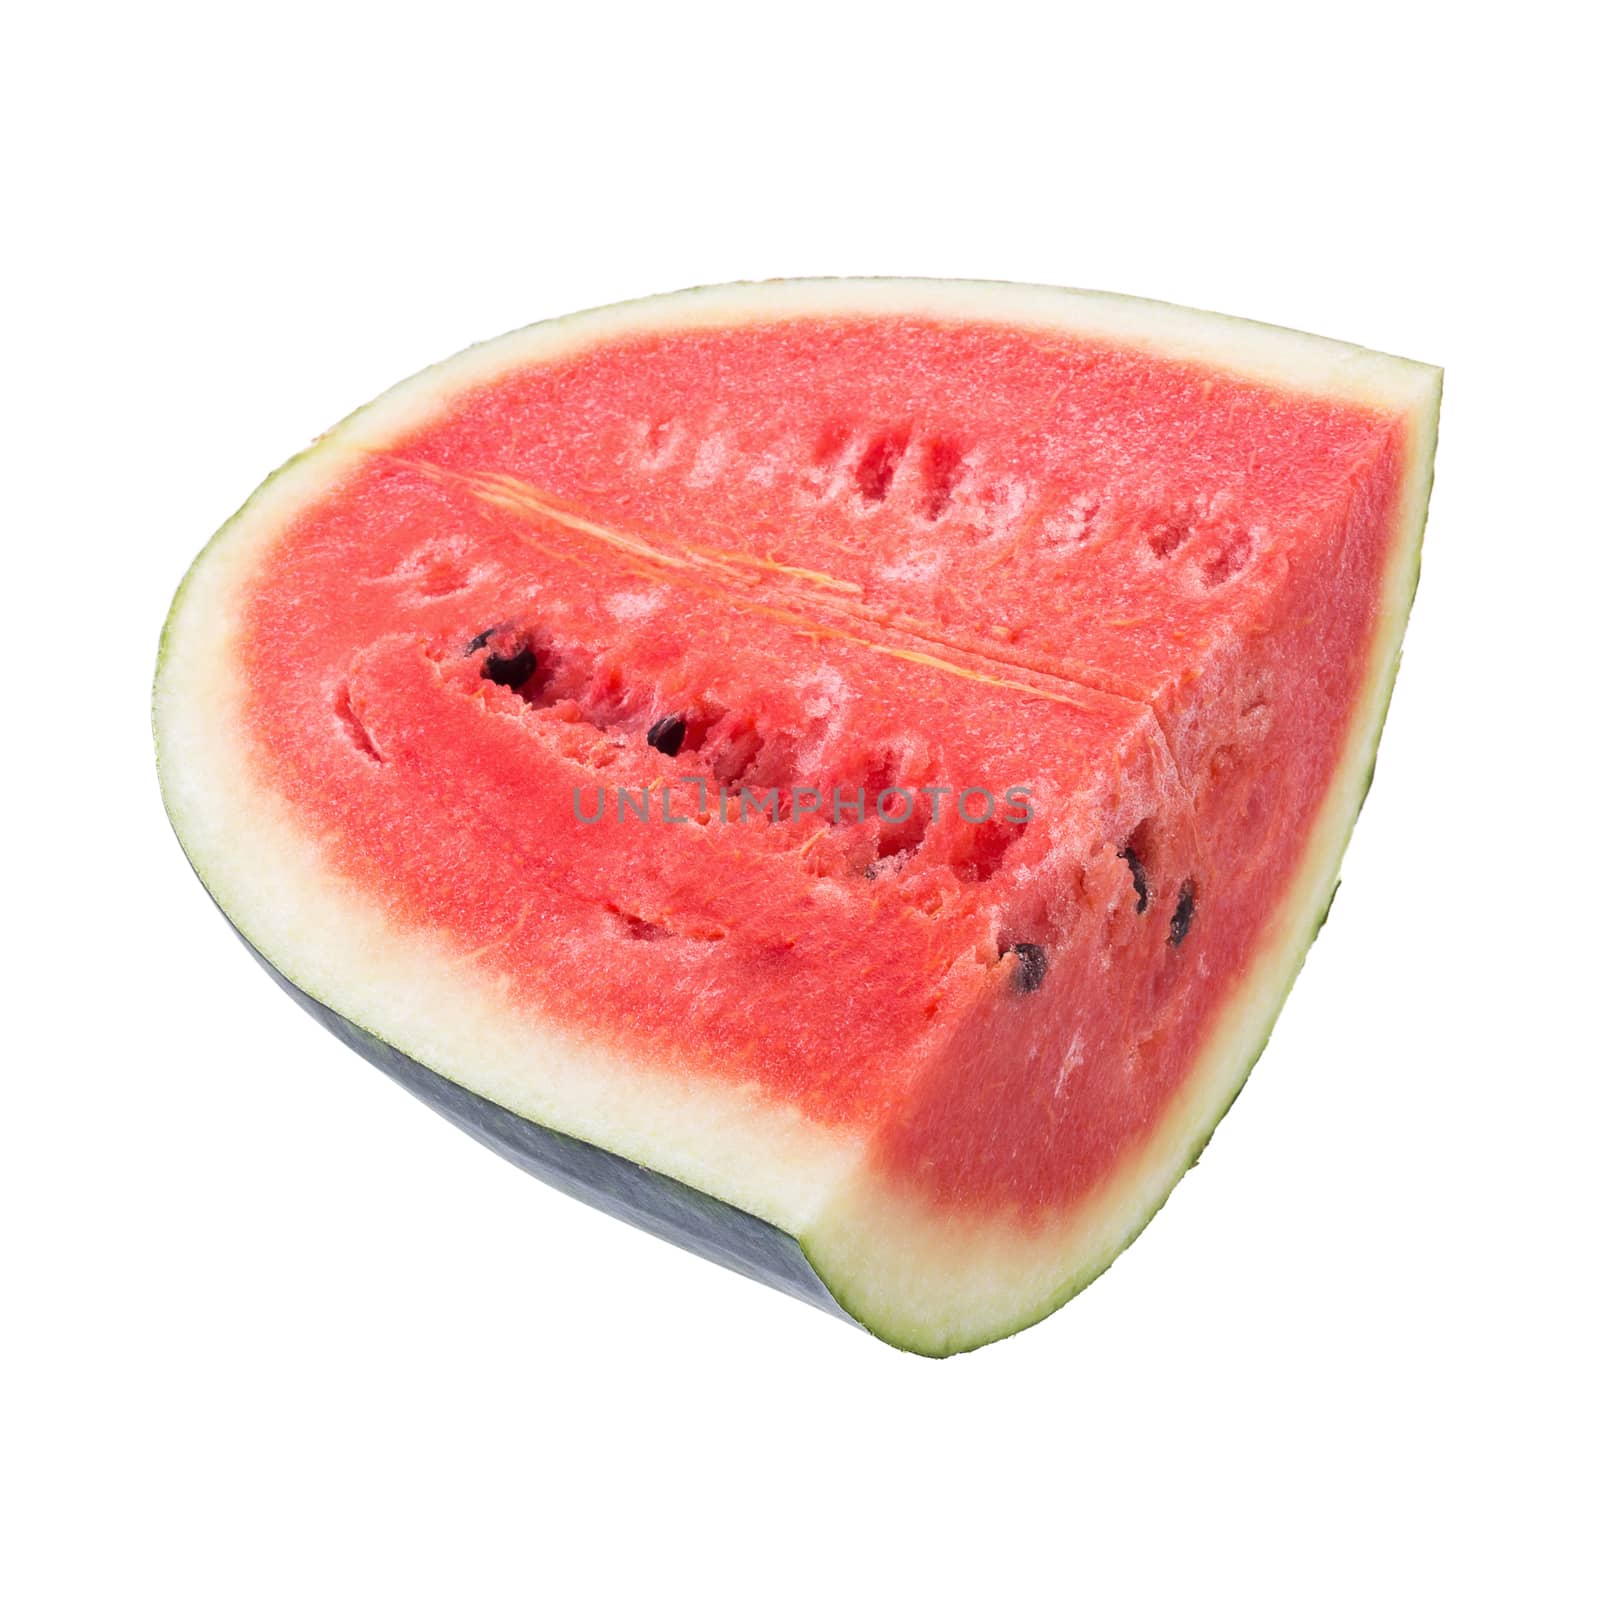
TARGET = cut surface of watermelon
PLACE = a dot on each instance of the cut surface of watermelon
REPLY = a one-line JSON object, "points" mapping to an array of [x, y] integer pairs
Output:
{"points": [[843, 773]]}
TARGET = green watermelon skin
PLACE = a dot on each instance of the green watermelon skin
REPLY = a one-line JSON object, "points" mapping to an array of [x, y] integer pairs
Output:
{"points": [[807, 1261], [623, 1189]]}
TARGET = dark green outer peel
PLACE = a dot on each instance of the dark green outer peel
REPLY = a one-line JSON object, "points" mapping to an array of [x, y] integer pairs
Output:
{"points": [[673, 1211]]}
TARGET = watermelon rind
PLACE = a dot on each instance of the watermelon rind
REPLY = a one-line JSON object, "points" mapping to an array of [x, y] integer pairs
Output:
{"points": [[739, 1180]]}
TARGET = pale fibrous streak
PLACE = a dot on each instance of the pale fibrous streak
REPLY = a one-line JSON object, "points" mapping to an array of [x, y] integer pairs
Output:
{"points": [[512, 494]]}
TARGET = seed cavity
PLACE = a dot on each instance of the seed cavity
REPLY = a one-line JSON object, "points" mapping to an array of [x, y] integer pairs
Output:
{"points": [[667, 734], [1031, 964], [633, 926], [512, 671], [1228, 561], [354, 727], [1141, 884], [944, 465], [1182, 916], [1166, 540], [879, 462]]}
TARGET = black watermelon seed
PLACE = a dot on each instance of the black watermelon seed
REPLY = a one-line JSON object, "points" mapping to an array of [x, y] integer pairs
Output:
{"points": [[475, 644], [1141, 885], [667, 734], [1182, 916], [1031, 964], [511, 671]]}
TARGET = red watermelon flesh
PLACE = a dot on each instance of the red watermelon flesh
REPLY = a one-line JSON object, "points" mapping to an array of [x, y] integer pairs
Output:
{"points": [[1128, 592]]}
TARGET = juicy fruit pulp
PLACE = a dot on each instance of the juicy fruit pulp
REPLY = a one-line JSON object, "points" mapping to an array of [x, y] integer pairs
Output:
{"points": [[506, 665], [850, 558]]}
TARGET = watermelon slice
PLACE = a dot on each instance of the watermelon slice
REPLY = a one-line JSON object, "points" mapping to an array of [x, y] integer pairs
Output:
{"points": [[842, 774]]}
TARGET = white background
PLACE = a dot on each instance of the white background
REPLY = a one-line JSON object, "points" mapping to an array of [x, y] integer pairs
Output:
{"points": [[274, 1329]]}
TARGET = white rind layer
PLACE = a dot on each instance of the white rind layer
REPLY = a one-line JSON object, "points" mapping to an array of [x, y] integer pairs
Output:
{"points": [[927, 1283]]}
